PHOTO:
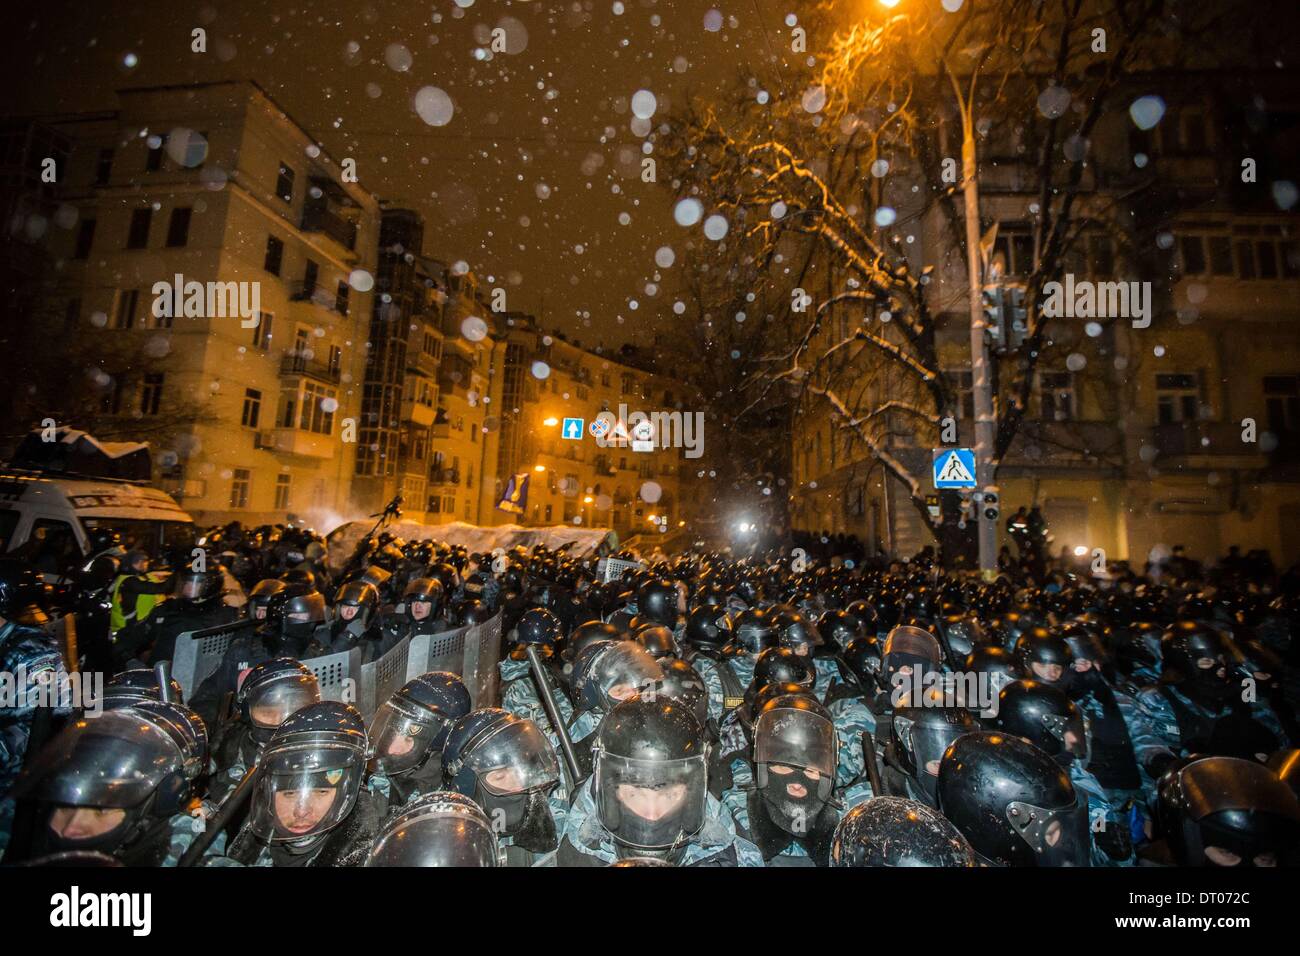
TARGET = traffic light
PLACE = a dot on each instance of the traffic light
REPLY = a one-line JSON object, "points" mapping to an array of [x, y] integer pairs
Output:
{"points": [[991, 510], [993, 317], [1016, 315]]}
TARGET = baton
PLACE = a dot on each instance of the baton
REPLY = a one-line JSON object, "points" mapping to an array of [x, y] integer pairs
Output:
{"points": [[218, 823], [869, 758], [553, 714]]}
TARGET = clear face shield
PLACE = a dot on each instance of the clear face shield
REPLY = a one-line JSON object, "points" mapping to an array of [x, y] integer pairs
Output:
{"points": [[439, 835], [795, 752], [402, 737], [650, 805], [1059, 837], [515, 759], [268, 707], [304, 791], [926, 742], [191, 587]]}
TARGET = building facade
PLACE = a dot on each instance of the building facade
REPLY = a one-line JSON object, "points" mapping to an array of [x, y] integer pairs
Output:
{"points": [[1137, 438]]}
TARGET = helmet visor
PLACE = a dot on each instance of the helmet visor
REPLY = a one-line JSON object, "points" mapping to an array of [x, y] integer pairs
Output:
{"points": [[650, 804], [305, 790], [438, 836], [795, 738], [401, 741], [269, 707], [514, 759]]}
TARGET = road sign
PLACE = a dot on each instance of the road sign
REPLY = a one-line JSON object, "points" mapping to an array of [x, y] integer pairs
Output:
{"points": [[954, 468], [572, 429]]}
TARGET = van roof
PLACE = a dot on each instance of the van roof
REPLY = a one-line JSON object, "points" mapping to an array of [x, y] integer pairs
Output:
{"points": [[89, 497]]}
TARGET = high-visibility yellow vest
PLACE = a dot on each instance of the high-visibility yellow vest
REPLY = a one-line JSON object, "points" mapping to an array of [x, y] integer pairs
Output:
{"points": [[144, 605]]}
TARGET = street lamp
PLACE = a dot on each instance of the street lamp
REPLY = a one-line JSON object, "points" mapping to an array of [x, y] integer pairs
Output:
{"points": [[551, 422], [539, 467]]}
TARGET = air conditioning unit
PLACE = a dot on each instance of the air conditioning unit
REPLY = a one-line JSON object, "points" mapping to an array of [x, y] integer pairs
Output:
{"points": [[264, 441]]}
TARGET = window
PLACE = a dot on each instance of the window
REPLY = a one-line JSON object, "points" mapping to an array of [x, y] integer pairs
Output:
{"points": [[262, 333], [138, 237], [85, 237], [315, 418], [1193, 251], [274, 255], [153, 162], [469, 477], [1282, 403], [419, 445], [284, 183], [151, 393], [282, 483], [239, 482], [163, 321], [309, 278], [127, 302], [104, 168], [1245, 259], [302, 343], [252, 408], [341, 299], [178, 230], [336, 359], [1056, 391], [52, 546], [111, 401], [1220, 255], [1177, 398], [435, 505], [1014, 250]]}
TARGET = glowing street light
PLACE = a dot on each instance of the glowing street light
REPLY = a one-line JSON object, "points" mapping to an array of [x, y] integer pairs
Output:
{"points": [[551, 422], [539, 467]]}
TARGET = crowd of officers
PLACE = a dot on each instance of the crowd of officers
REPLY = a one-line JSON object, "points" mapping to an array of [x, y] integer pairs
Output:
{"points": [[702, 711]]}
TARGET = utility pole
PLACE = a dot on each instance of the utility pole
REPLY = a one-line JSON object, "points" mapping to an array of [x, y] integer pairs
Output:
{"points": [[981, 373]]}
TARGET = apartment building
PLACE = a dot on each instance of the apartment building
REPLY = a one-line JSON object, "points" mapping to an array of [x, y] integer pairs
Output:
{"points": [[215, 183], [1182, 432]]}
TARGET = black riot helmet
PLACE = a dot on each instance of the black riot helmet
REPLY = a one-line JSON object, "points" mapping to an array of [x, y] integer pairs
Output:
{"points": [[752, 632], [428, 591], [997, 664], [442, 828], [609, 671], [797, 632], [272, 691], [707, 626], [649, 778], [199, 586], [911, 647], [584, 635], [781, 665], [1043, 654], [298, 581], [413, 723], [892, 831], [1224, 811], [1194, 655], [538, 627], [1084, 643], [863, 657], [1044, 716], [656, 600], [303, 614], [261, 601], [1014, 803], [507, 766], [358, 594], [140, 761], [657, 639], [136, 686], [795, 755], [683, 683], [839, 627], [920, 735], [311, 773], [963, 633], [470, 611]]}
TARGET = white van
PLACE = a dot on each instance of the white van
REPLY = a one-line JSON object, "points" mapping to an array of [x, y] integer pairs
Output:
{"points": [[48, 517]]}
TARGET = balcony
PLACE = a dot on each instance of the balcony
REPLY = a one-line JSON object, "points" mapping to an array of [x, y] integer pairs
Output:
{"points": [[417, 412], [322, 214], [295, 441], [444, 476], [296, 364], [1204, 445]]}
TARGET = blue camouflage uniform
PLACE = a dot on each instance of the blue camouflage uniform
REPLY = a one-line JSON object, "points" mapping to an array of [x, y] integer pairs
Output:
{"points": [[717, 844], [184, 828], [1102, 815], [1155, 727]]}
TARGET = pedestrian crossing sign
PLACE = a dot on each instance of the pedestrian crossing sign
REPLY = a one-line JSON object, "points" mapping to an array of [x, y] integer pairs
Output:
{"points": [[954, 468], [572, 429]]}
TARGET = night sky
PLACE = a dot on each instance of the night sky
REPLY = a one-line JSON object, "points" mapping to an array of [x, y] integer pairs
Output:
{"points": [[534, 179]]}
